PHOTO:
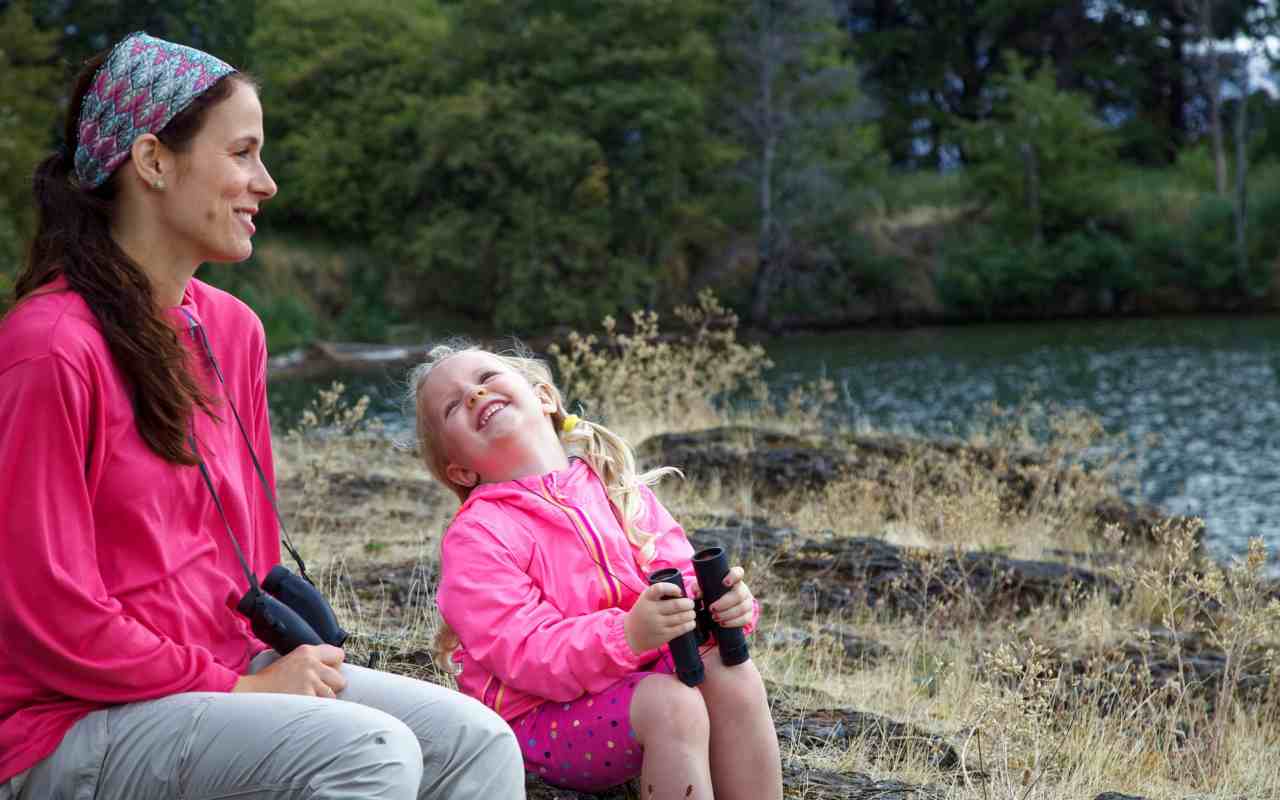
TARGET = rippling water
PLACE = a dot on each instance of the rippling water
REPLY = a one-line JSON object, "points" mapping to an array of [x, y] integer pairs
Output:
{"points": [[1207, 389]]}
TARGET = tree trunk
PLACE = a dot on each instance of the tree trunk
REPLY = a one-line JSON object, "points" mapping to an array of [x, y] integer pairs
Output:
{"points": [[761, 286], [1215, 96], [1242, 167], [1032, 180], [1177, 91]]}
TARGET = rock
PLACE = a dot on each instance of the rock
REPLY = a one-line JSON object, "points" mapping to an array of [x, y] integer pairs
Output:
{"points": [[776, 463], [1203, 667], [843, 571], [840, 727], [799, 780], [787, 637], [856, 649], [536, 789], [1138, 521], [1118, 796], [742, 543]]}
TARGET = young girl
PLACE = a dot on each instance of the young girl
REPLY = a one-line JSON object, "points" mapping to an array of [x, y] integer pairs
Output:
{"points": [[545, 596]]}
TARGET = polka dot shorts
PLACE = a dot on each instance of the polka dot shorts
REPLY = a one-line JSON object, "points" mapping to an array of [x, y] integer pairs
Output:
{"points": [[587, 744]]}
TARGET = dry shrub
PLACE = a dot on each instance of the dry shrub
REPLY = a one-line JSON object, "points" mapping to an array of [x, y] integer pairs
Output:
{"points": [[644, 381], [1231, 609]]}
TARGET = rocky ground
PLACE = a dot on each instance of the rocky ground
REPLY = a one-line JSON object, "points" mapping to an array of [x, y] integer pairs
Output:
{"points": [[819, 574]]}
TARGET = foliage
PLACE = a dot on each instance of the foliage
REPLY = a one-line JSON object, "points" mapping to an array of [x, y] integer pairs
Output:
{"points": [[999, 277], [522, 166], [646, 378], [221, 27], [561, 174], [793, 108], [10, 255], [1231, 608], [1038, 157], [28, 111]]}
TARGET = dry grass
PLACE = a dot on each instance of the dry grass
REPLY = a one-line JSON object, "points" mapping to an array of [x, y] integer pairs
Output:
{"points": [[995, 688]]}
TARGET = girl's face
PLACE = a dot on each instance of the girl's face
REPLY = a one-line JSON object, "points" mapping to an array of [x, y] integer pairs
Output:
{"points": [[484, 413]]}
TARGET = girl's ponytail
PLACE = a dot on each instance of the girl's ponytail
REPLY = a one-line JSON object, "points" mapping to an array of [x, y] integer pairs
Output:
{"points": [[614, 461]]}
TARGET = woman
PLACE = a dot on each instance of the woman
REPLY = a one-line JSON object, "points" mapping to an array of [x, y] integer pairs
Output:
{"points": [[124, 673]]}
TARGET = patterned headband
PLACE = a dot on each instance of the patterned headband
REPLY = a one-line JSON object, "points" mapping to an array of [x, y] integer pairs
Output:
{"points": [[143, 84]]}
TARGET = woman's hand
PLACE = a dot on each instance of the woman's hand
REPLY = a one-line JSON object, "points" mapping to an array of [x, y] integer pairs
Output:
{"points": [[310, 670], [735, 607], [660, 615]]}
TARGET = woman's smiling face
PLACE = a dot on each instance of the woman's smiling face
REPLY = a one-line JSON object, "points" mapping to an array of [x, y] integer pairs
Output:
{"points": [[221, 182]]}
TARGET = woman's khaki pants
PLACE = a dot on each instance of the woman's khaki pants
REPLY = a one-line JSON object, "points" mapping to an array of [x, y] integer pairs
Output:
{"points": [[386, 736]]}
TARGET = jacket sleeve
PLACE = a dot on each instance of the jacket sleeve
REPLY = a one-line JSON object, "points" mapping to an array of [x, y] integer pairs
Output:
{"points": [[59, 625], [673, 549], [506, 624]]}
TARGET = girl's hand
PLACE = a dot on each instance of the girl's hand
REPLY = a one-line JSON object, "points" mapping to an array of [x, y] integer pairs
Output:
{"points": [[310, 670], [660, 615], [735, 607]]}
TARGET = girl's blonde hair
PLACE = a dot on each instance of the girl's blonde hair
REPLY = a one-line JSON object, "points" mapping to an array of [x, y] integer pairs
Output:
{"points": [[607, 453]]}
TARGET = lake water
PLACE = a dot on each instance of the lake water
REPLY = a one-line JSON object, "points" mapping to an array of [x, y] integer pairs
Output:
{"points": [[1205, 391]]}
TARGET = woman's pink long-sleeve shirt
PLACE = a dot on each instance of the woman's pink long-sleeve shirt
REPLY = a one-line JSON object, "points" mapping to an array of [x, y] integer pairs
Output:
{"points": [[536, 578], [115, 567]]}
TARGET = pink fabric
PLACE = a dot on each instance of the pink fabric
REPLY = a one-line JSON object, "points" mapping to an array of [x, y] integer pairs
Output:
{"points": [[114, 564], [586, 744], [537, 577]]}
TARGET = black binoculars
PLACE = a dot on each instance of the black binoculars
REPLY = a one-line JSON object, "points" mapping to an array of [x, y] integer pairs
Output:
{"points": [[289, 611], [711, 566]]}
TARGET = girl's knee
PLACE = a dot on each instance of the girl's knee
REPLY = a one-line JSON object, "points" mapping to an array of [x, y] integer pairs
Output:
{"points": [[740, 684], [663, 706]]}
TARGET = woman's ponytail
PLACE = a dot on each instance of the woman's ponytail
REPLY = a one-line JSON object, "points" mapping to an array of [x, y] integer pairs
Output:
{"points": [[62, 212], [73, 240]]}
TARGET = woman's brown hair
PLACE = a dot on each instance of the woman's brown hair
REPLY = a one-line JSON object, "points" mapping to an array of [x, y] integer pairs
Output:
{"points": [[73, 239]]}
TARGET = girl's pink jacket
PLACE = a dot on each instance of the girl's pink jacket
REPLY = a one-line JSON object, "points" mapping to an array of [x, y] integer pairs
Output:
{"points": [[537, 578]]}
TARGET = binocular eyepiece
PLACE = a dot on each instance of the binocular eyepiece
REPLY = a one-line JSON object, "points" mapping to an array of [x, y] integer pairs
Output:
{"points": [[711, 565], [288, 611]]}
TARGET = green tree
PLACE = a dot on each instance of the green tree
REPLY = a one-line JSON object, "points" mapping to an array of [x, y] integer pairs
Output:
{"points": [[563, 172], [1038, 158], [932, 63], [221, 27], [794, 109], [532, 163], [28, 111]]}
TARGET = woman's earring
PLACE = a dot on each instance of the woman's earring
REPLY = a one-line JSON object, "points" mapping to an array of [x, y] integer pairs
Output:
{"points": [[158, 184]]}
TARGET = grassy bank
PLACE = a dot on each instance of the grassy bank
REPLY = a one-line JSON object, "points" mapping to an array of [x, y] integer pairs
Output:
{"points": [[1069, 698]]}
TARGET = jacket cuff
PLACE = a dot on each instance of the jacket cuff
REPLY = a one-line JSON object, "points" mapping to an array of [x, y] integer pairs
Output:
{"points": [[619, 651], [222, 679]]}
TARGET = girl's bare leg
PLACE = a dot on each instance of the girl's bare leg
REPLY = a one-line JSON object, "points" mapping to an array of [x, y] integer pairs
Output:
{"points": [[745, 762], [670, 721]]}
